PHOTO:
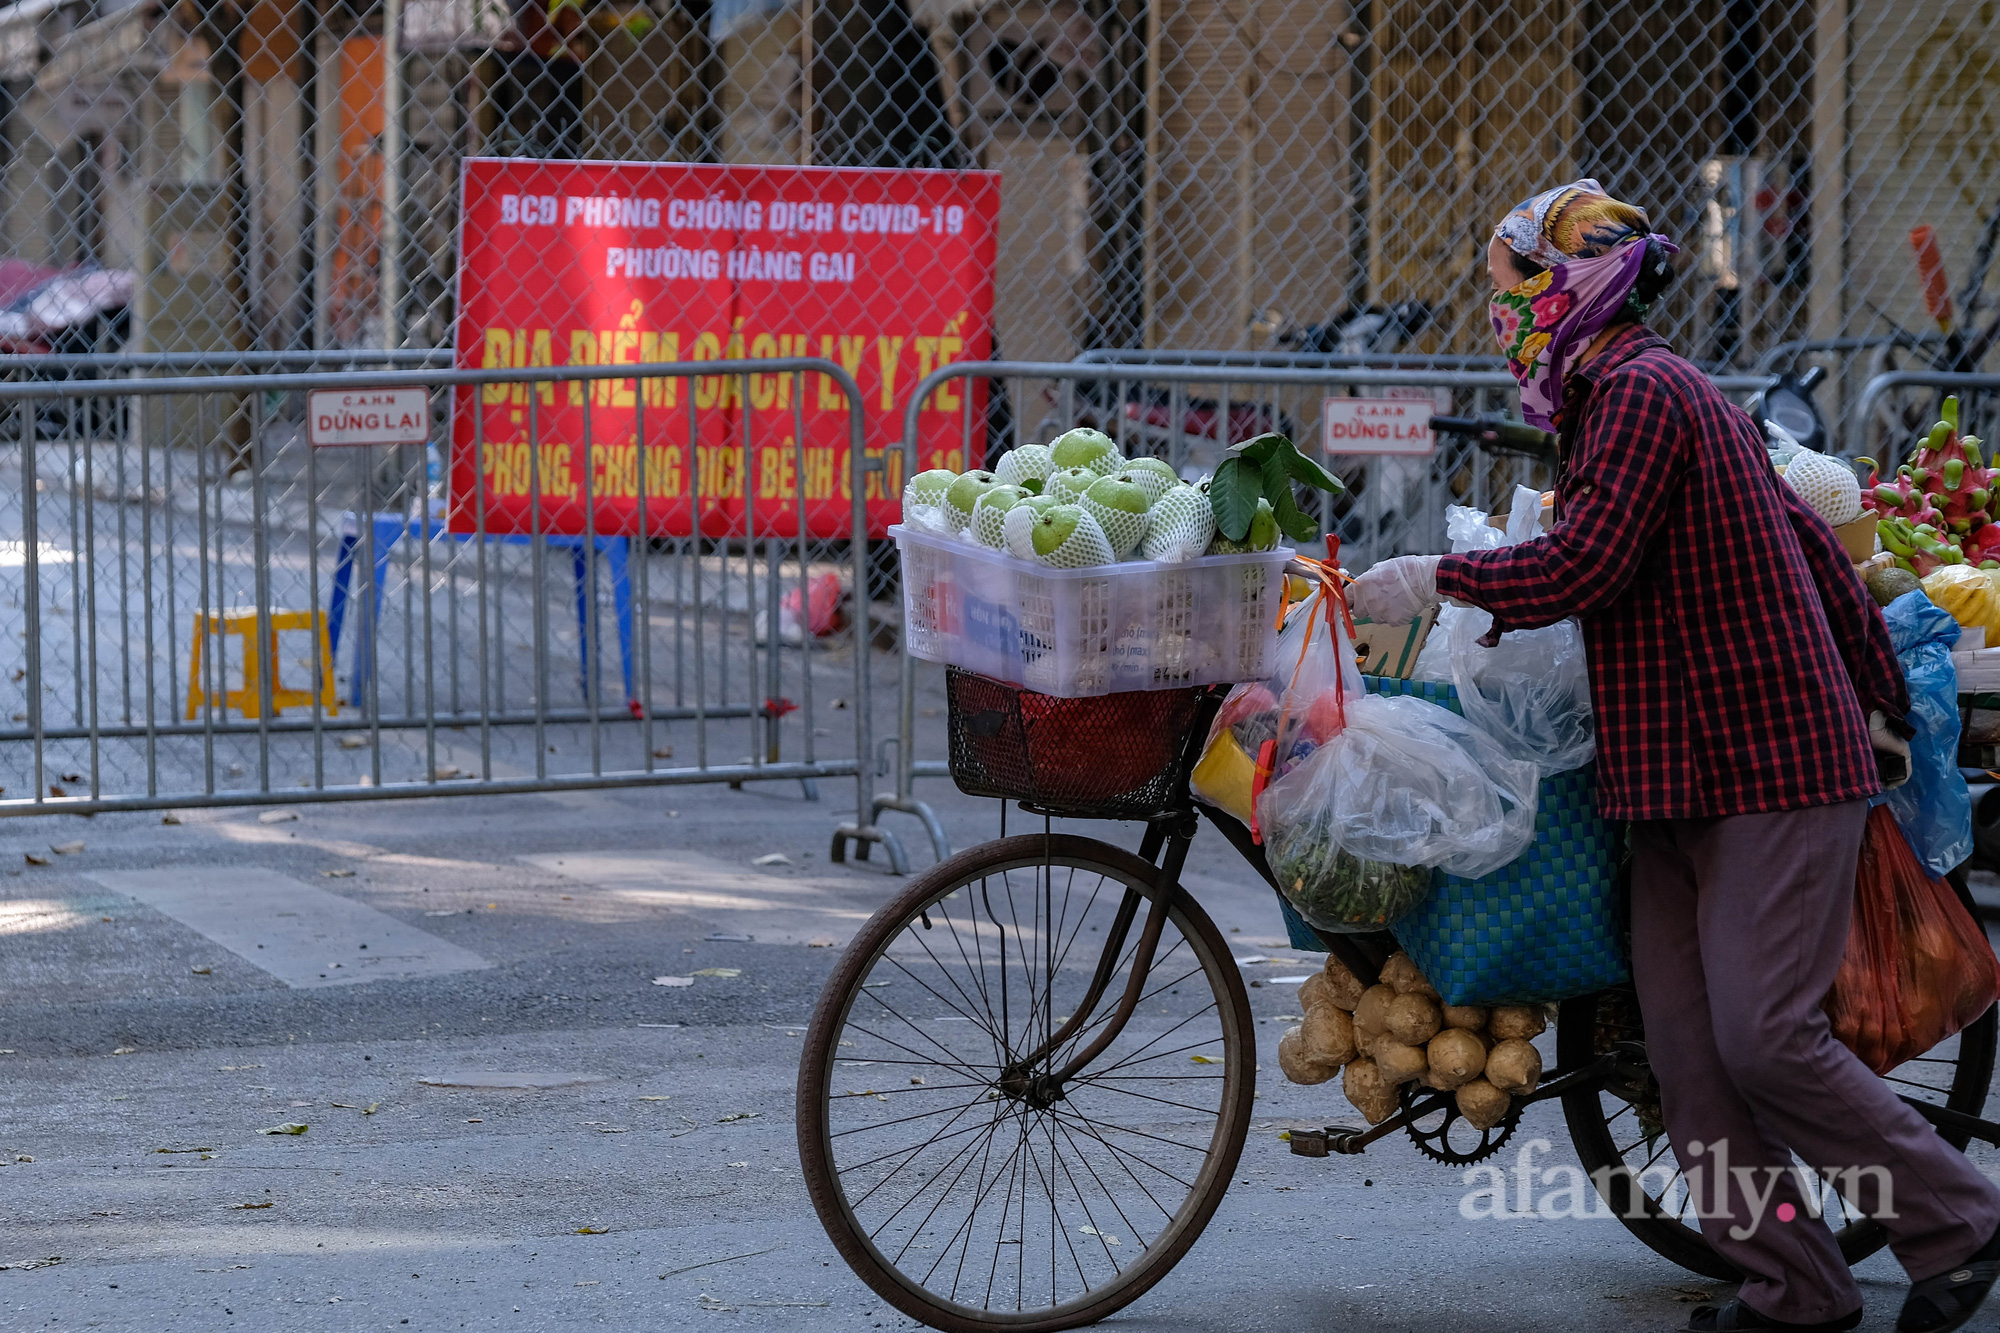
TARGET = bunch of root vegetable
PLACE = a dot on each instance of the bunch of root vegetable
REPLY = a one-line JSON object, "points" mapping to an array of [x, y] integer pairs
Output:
{"points": [[1398, 1031]]}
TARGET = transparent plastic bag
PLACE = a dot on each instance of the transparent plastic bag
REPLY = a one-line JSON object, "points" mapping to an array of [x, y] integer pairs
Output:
{"points": [[1293, 713], [1531, 691], [1404, 784]]}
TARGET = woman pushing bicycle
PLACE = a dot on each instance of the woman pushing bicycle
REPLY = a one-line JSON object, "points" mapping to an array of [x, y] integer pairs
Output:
{"points": [[1742, 681]]}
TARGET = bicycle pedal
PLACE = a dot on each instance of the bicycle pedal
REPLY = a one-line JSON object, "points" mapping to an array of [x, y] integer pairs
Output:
{"points": [[1327, 1141]]}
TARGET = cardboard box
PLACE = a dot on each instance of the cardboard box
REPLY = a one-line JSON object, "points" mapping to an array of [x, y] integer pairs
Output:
{"points": [[1391, 650], [1858, 537]]}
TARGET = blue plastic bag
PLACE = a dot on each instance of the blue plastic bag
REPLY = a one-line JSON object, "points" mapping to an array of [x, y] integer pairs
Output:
{"points": [[1934, 808]]}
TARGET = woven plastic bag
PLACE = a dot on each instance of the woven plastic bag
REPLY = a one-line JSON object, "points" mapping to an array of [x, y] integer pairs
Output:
{"points": [[1917, 967]]}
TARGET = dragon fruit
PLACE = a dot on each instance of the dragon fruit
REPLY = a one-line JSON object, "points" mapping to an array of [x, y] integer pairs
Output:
{"points": [[1937, 509]]}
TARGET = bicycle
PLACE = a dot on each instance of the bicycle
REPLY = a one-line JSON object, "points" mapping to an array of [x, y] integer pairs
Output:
{"points": [[1077, 1096]]}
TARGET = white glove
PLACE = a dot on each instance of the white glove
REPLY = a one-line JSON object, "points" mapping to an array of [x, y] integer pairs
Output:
{"points": [[1886, 741], [1396, 591]]}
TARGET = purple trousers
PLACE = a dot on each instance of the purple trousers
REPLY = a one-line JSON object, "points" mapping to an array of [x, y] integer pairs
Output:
{"points": [[1738, 926]]}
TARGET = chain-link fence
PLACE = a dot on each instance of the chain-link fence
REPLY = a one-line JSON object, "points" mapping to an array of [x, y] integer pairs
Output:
{"points": [[277, 175]]}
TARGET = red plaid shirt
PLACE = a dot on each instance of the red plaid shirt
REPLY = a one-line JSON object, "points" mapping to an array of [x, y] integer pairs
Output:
{"points": [[1733, 654]]}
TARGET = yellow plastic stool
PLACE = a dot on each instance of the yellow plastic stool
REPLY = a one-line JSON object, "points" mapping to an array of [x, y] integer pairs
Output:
{"points": [[241, 621]]}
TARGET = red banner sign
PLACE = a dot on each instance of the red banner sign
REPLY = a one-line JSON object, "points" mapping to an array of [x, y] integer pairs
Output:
{"points": [[888, 274]]}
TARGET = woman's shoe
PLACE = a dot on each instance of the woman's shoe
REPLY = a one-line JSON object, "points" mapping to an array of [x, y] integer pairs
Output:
{"points": [[1734, 1314], [1949, 1299]]}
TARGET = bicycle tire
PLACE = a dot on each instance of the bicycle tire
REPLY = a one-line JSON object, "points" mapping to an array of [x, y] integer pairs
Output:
{"points": [[1668, 1236], [926, 898]]}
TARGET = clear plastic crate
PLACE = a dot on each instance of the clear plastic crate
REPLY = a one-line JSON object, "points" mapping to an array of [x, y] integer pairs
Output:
{"points": [[1074, 633]]}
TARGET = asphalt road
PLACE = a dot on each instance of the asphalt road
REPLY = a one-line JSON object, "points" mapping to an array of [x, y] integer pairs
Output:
{"points": [[649, 1180]]}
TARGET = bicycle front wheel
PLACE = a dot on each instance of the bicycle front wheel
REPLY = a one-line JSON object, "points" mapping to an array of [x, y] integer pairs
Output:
{"points": [[959, 1172]]}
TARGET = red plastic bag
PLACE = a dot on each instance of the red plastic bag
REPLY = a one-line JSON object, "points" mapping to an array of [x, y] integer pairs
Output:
{"points": [[1917, 967]]}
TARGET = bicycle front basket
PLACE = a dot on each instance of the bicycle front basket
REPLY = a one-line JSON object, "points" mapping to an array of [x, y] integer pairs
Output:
{"points": [[1110, 756]]}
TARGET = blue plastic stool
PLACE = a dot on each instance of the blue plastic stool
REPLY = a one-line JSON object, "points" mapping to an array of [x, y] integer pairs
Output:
{"points": [[390, 528]]}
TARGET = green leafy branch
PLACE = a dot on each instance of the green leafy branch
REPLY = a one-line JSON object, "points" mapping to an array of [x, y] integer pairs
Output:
{"points": [[1264, 469]]}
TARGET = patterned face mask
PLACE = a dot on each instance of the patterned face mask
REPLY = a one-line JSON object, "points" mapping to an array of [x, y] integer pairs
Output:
{"points": [[1593, 247]]}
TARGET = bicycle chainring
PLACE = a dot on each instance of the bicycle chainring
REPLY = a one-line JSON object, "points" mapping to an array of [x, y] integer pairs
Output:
{"points": [[1436, 1142]]}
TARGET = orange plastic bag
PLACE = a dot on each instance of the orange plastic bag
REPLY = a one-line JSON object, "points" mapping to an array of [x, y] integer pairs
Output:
{"points": [[1917, 967]]}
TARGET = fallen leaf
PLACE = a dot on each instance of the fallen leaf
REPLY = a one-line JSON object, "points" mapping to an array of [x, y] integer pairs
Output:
{"points": [[739, 1115], [66, 848], [772, 859], [125, 1050], [708, 1302], [663, 752], [591, 1283], [653, 1097], [35, 860], [175, 1150], [289, 1127], [822, 943], [22, 1264], [370, 1108], [1689, 1295], [54, 790], [718, 972], [108, 1212], [1204, 1060], [475, 1121], [278, 817], [353, 742], [728, 937], [170, 820], [336, 874], [251, 1207], [202, 970], [23, 1157], [592, 1231], [673, 981], [232, 1069], [736, 1163], [1105, 1236]]}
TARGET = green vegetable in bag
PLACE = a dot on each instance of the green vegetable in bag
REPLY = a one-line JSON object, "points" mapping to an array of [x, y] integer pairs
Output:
{"points": [[1336, 890]]}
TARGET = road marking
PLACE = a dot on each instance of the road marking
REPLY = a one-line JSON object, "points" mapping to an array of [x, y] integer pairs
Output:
{"points": [[294, 931]]}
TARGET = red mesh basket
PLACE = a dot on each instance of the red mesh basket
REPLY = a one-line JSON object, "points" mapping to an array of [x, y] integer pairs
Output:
{"points": [[1112, 756]]}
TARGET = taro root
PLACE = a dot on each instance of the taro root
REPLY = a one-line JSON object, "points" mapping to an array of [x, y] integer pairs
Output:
{"points": [[1371, 1094], [1413, 1018], [1402, 976], [1314, 992], [1482, 1104], [1514, 1066], [1371, 1015], [1328, 1034], [1343, 985], [1298, 1066], [1456, 1058], [1517, 1020], [1398, 1063], [1465, 1016]]}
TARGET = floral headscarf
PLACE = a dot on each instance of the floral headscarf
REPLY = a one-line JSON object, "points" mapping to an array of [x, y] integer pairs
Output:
{"points": [[1592, 247]]}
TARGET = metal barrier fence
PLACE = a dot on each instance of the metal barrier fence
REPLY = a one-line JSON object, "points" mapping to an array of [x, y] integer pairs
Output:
{"points": [[1979, 397], [183, 567], [1394, 505], [277, 175]]}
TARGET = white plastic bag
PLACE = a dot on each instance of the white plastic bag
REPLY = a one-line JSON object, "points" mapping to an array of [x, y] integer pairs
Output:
{"points": [[1530, 692], [1406, 783]]}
